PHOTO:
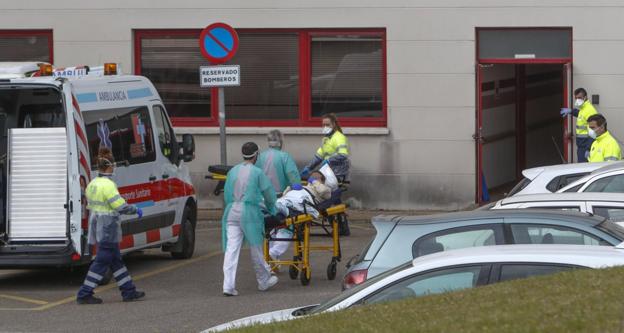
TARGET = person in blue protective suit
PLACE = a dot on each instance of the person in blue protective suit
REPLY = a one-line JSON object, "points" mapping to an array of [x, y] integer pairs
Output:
{"points": [[106, 204], [277, 164], [247, 192]]}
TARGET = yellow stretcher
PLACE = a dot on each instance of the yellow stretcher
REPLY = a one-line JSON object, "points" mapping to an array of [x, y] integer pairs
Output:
{"points": [[302, 224]]}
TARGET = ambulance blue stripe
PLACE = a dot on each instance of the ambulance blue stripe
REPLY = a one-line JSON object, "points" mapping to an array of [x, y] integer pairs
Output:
{"points": [[145, 204], [87, 98], [139, 93]]}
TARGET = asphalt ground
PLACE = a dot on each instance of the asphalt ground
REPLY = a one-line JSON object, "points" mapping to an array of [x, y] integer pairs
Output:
{"points": [[182, 295]]}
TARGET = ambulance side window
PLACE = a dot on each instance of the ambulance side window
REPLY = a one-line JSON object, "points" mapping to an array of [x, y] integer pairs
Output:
{"points": [[165, 134], [127, 131]]}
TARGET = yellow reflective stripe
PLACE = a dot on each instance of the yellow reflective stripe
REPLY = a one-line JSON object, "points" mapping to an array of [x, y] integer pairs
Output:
{"points": [[119, 202]]}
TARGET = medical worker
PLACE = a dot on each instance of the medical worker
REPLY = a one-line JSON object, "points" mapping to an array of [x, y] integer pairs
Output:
{"points": [[605, 147], [247, 191], [277, 164], [583, 109], [334, 149], [106, 205]]}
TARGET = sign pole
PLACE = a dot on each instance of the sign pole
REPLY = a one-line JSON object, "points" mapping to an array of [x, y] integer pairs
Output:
{"points": [[222, 126]]}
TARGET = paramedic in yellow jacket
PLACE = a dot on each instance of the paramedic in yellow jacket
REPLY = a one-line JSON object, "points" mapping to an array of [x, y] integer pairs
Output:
{"points": [[106, 204], [605, 147], [583, 109], [334, 150]]}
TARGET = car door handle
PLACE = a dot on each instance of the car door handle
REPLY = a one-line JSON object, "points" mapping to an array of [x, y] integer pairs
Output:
{"points": [[152, 178], [165, 176]]}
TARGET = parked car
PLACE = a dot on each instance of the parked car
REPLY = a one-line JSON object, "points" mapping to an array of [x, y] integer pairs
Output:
{"points": [[450, 271], [549, 179], [402, 238], [609, 205], [606, 179]]}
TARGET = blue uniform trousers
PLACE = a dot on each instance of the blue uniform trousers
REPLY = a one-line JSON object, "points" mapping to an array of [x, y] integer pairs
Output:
{"points": [[107, 256], [583, 145]]}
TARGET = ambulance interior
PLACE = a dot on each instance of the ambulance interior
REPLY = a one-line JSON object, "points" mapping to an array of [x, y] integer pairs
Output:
{"points": [[521, 124], [32, 107]]}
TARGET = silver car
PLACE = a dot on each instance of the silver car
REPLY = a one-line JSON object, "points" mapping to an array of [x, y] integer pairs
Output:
{"points": [[402, 238]]}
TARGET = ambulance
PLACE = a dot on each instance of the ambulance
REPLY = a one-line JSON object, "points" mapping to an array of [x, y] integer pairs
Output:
{"points": [[52, 124]]}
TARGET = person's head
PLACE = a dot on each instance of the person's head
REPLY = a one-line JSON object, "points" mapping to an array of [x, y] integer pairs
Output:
{"points": [[276, 139], [330, 124], [105, 161], [250, 152], [597, 125], [316, 176], [580, 96]]}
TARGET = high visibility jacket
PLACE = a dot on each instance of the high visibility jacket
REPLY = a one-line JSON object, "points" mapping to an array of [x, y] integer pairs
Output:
{"points": [[585, 111], [336, 144], [605, 148], [106, 204]]}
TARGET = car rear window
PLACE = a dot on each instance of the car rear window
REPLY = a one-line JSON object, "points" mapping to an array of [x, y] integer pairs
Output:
{"points": [[519, 187]]}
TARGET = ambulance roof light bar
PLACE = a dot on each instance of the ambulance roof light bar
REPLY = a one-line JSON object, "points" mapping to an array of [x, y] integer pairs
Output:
{"points": [[45, 70], [110, 68]]}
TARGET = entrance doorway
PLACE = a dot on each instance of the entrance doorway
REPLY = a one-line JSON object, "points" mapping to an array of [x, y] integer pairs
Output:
{"points": [[519, 97]]}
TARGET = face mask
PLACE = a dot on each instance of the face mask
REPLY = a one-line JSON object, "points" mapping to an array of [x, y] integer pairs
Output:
{"points": [[327, 130], [591, 133], [578, 102]]}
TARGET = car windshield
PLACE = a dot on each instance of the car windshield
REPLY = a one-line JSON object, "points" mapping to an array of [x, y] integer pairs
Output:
{"points": [[350, 292], [614, 228], [519, 187]]}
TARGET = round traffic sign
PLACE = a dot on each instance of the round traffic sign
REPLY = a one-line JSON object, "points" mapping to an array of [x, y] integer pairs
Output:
{"points": [[218, 42]]}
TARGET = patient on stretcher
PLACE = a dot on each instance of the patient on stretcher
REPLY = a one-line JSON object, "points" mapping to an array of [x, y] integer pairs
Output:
{"points": [[293, 202]]}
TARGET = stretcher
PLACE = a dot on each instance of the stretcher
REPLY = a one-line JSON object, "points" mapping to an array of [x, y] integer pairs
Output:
{"points": [[330, 218]]}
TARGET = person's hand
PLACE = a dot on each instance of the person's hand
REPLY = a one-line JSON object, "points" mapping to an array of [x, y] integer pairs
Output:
{"points": [[565, 111], [305, 172], [297, 187], [140, 212]]}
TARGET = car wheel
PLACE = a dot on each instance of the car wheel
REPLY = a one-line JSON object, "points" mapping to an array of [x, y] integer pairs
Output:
{"points": [[187, 237]]}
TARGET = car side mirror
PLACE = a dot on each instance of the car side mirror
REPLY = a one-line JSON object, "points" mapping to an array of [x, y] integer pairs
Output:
{"points": [[188, 147]]}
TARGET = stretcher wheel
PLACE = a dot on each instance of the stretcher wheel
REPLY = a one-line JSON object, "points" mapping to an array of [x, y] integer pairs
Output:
{"points": [[293, 272], [331, 270], [305, 277]]}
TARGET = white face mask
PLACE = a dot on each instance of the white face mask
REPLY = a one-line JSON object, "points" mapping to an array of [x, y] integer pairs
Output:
{"points": [[578, 102], [327, 130], [591, 133]]}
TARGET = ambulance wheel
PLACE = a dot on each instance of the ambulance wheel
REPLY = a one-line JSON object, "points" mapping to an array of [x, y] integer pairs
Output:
{"points": [[305, 276], [187, 237], [331, 270], [293, 271], [106, 278]]}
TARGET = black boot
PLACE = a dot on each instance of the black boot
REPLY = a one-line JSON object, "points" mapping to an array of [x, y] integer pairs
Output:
{"points": [[134, 297], [89, 300]]}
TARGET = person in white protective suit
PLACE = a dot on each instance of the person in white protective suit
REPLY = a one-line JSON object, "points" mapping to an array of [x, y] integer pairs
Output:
{"points": [[247, 192], [299, 200]]}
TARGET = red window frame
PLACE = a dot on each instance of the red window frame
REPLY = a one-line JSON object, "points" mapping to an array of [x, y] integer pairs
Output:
{"points": [[28, 33], [305, 78]]}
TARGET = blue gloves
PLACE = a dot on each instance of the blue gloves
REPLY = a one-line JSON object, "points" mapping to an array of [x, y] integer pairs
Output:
{"points": [[311, 180], [565, 111], [305, 172], [297, 187], [139, 212]]}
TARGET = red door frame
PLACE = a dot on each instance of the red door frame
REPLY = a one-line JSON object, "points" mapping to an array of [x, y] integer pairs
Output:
{"points": [[567, 68]]}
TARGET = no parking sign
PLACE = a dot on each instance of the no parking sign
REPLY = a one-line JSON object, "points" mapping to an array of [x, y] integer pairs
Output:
{"points": [[218, 43]]}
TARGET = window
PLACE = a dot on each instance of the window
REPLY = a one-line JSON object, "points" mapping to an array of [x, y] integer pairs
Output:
{"points": [[347, 76], [458, 238], [612, 213], [612, 184], [562, 181], [550, 234], [519, 187], [289, 77], [127, 131], [171, 61], [166, 137], [436, 282], [26, 45], [574, 189], [521, 271]]}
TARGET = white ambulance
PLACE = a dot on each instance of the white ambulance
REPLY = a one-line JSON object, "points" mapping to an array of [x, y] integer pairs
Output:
{"points": [[51, 128]]}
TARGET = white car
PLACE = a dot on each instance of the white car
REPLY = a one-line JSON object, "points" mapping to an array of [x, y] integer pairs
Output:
{"points": [[609, 205], [549, 179], [453, 270], [606, 179]]}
